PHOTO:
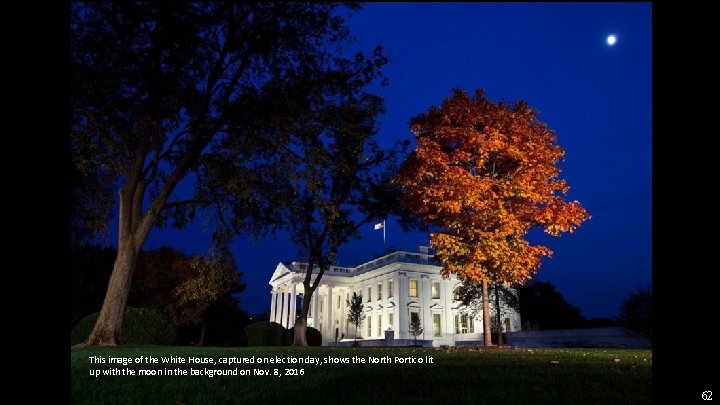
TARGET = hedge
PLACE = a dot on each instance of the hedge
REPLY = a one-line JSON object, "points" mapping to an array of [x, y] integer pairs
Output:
{"points": [[140, 327]]}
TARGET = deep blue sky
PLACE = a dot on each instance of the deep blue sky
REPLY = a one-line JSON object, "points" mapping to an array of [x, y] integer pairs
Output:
{"points": [[597, 98]]}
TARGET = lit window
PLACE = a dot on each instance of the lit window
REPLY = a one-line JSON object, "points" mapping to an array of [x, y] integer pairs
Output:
{"points": [[379, 323], [456, 294], [380, 291], [369, 294], [436, 324], [390, 320], [435, 289], [412, 284], [464, 323], [391, 287], [369, 318]]}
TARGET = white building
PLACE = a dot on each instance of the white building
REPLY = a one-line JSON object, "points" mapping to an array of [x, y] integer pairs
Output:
{"points": [[394, 288]]}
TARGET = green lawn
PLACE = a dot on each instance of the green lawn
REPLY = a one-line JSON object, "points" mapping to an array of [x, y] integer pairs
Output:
{"points": [[495, 376]]}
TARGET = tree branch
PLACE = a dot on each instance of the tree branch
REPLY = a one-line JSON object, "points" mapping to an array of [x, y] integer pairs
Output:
{"points": [[176, 204]]}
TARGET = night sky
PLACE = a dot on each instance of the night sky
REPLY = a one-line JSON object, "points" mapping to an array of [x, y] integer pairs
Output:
{"points": [[555, 56]]}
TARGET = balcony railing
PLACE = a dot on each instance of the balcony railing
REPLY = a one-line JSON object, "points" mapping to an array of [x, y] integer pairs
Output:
{"points": [[395, 257]]}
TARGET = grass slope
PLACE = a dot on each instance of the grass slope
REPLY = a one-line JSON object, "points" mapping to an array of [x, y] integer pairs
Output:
{"points": [[485, 376]]}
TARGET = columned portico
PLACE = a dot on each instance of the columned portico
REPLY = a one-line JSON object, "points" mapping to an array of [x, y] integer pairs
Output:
{"points": [[393, 286], [283, 308]]}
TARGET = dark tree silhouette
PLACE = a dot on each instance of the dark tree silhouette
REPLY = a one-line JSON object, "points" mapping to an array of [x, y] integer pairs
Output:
{"points": [[162, 90], [334, 177], [636, 313], [543, 307]]}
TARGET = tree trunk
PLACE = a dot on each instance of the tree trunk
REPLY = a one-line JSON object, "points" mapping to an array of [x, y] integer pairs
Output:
{"points": [[107, 330], [133, 229], [497, 310], [300, 331], [299, 338], [202, 334], [487, 333]]}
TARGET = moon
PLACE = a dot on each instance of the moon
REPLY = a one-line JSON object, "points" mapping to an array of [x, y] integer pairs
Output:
{"points": [[611, 39]]}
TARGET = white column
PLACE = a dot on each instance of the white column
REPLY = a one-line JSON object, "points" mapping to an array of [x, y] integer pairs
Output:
{"points": [[281, 311], [425, 302], [315, 309], [402, 301], [293, 303], [449, 325], [396, 309], [330, 324], [273, 294], [342, 315], [286, 307]]}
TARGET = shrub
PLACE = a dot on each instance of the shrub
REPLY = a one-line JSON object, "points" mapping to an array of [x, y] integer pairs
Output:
{"points": [[313, 337], [266, 334], [140, 327]]}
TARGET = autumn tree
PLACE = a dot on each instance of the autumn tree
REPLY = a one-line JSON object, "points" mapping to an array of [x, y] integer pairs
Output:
{"points": [[183, 287], [159, 272], [355, 314], [483, 174], [211, 278], [163, 90]]}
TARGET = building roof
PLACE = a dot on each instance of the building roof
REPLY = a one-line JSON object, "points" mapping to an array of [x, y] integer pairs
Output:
{"points": [[394, 257]]}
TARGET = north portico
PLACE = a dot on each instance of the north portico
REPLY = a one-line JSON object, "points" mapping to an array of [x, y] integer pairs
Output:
{"points": [[395, 288]]}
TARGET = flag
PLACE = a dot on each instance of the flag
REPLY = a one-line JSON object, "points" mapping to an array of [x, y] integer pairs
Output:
{"points": [[381, 225]]}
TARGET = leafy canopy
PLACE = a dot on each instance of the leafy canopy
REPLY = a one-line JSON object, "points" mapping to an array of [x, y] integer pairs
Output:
{"points": [[483, 173], [160, 90]]}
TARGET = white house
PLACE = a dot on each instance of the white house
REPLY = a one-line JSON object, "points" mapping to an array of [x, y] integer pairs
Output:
{"points": [[394, 287]]}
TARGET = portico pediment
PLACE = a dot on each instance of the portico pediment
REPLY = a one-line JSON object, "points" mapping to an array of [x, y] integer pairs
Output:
{"points": [[280, 271]]}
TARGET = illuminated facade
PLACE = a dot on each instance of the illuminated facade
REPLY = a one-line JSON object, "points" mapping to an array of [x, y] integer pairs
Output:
{"points": [[395, 288]]}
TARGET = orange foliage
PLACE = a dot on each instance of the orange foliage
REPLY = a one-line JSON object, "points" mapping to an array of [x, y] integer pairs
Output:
{"points": [[486, 172]]}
